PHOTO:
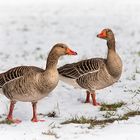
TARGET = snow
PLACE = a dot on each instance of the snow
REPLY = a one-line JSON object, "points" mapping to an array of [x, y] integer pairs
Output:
{"points": [[28, 30]]}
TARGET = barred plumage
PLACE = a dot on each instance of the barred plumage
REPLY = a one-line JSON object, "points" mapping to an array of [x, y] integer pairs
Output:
{"points": [[76, 70], [15, 73], [96, 73], [29, 83]]}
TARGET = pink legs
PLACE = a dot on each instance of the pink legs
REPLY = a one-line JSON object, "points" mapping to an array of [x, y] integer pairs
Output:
{"points": [[10, 115], [34, 119], [93, 96], [87, 97]]}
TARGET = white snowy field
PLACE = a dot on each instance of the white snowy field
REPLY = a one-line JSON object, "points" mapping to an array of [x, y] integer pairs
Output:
{"points": [[27, 33]]}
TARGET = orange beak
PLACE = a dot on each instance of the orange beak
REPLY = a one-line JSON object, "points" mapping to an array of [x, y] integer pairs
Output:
{"points": [[102, 35], [70, 52]]}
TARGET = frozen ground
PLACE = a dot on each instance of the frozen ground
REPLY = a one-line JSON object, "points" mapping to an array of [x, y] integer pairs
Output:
{"points": [[27, 32]]}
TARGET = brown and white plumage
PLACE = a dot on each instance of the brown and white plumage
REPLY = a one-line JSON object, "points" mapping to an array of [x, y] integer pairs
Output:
{"points": [[16, 72], [29, 83], [96, 73]]}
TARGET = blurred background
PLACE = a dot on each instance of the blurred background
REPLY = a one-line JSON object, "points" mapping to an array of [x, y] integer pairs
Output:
{"points": [[29, 28]]}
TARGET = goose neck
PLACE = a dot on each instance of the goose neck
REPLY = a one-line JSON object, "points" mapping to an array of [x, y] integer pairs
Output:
{"points": [[111, 44], [52, 61]]}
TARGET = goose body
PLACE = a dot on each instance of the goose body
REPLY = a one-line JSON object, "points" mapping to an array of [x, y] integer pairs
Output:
{"points": [[96, 73], [32, 86], [29, 83], [16, 72], [92, 78]]}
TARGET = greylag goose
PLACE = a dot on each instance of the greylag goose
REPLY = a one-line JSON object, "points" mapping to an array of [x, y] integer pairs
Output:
{"points": [[30, 84], [96, 73]]}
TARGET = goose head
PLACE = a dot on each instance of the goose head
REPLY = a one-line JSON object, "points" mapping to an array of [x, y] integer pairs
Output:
{"points": [[106, 34], [61, 49]]}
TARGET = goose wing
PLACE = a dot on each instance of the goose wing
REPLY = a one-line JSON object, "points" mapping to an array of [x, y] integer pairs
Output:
{"points": [[16, 72], [84, 67]]}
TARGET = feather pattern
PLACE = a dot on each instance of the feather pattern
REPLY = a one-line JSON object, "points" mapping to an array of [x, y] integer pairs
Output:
{"points": [[96, 73], [16, 72], [81, 68], [29, 83]]}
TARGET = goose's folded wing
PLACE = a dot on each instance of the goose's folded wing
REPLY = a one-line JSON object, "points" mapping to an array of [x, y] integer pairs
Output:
{"points": [[76, 70], [16, 72]]}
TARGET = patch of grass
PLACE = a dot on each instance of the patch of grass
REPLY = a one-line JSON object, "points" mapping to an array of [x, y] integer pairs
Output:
{"points": [[138, 53], [109, 114], [136, 91], [95, 122], [133, 77], [137, 71], [50, 133], [111, 107], [132, 113], [6, 122], [92, 122], [78, 120], [50, 114]]}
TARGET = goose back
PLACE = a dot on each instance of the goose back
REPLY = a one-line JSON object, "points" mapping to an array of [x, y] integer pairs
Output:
{"points": [[16, 72], [81, 68]]}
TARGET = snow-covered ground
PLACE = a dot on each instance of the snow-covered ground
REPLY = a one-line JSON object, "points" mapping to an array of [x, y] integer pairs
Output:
{"points": [[27, 33]]}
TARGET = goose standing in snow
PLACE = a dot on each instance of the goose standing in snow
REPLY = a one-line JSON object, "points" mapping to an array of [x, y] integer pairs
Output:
{"points": [[96, 73], [30, 84]]}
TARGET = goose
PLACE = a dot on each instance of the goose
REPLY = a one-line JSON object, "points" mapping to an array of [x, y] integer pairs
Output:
{"points": [[30, 84], [95, 73]]}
